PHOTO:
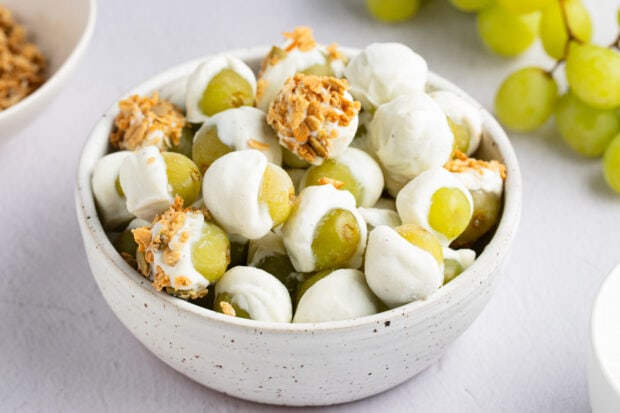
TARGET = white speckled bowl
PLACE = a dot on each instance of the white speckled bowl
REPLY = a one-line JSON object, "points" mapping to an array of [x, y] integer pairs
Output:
{"points": [[604, 357], [292, 364], [62, 29]]}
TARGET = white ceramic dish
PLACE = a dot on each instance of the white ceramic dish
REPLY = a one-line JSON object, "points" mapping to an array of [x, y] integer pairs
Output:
{"points": [[292, 364], [604, 356], [62, 29]]}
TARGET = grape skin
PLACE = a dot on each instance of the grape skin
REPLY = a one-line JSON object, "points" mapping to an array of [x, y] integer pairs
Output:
{"points": [[553, 33], [393, 11], [526, 99], [471, 5], [593, 73], [611, 164], [585, 129], [505, 33], [524, 6]]}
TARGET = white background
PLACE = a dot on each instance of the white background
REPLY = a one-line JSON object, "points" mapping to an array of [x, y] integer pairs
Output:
{"points": [[62, 349]]}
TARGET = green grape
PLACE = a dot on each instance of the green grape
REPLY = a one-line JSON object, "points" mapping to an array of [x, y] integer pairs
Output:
{"points": [[211, 253], [291, 160], [208, 147], [309, 282], [332, 169], [335, 239], [526, 99], [126, 244], [593, 74], [393, 11], [238, 253], [471, 5], [278, 192], [505, 33], [118, 187], [421, 238], [319, 69], [226, 90], [553, 32], [183, 176], [452, 268], [449, 212], [611, 164], [224, 303], [184, 146], [487, 207], [280, 266], [524, 6], [586, 129], [461, 136]]}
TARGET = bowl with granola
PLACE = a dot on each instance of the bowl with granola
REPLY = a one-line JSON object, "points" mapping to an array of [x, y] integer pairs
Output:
{"points": [[38, 57], [300, 224]]}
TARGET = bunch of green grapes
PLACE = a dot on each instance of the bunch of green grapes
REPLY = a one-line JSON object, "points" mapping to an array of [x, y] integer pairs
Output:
{"points": [[587, 114]]}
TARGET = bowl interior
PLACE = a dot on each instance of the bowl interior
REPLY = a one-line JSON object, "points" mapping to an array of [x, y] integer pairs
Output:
{"points": [[171, 85], [62, 30]]}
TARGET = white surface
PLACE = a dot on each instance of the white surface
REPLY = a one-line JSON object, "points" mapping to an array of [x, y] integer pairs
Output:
{"points": [[62, 349], [604, 360]]}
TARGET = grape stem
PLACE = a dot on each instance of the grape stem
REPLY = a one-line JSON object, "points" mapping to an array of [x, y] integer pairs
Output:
{"points": [[616, 43], [569, 31]]}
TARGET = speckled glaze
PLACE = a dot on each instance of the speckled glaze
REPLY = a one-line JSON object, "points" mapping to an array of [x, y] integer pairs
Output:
{"points": [[293, 364]]}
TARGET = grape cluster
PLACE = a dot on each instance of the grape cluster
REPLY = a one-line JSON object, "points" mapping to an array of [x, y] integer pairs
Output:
{"points": [[587, 113]]}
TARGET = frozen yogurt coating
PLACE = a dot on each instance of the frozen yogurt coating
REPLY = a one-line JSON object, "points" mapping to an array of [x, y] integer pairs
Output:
{"points": [[146, 121], [310, 207], [409, 135], [204, 73], [383, 71], [144, 181], [108, 194], [261, 295], [242, 128], [465, 117], [167, 246], [300, 53], [341, 295], [414, 201], [314, 117], [397, 271], [478, 175]]}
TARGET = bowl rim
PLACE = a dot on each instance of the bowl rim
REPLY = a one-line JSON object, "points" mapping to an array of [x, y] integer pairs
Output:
{"points": [[596, 324], [490, 258], [56, 78]]}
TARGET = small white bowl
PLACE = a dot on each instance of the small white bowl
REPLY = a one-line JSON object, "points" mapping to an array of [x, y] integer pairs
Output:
{"points": [[604, 355], [292, 364], [62, 29]]}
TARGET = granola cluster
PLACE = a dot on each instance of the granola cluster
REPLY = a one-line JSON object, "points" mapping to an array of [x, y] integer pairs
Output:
{"points": [[305, 108], [144, 120], [22, 65], [462, 163]]}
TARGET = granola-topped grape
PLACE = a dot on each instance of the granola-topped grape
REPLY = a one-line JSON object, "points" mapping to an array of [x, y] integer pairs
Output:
{"points": [[314, 117], [253, 293], [485, 182], [300, 54], [182, 252], [219, 83], [354, 171], [324, 230], [246, 194]]}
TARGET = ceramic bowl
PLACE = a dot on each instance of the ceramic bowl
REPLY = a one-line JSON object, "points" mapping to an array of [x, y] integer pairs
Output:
{"points": [[62, 29], [292, 364], [604, 357]]}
